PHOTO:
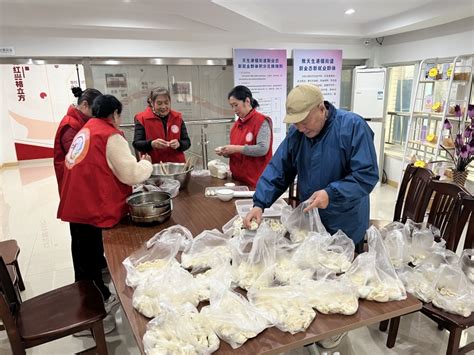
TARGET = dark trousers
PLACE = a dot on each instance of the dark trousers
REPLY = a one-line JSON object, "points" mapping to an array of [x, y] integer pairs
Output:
{"points": [[88, 255]]}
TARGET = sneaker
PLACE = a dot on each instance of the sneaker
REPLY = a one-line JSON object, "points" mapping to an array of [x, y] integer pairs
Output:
{"points": [[332, 342], [111, 303], [109, 323], [106, 275], [109, 326], [83, 333]]}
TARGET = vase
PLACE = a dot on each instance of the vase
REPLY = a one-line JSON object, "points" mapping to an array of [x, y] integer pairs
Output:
{"points": [[460, 177]]}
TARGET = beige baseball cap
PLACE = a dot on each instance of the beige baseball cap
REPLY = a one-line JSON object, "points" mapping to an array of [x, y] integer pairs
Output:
{"points": [[300, 101]]}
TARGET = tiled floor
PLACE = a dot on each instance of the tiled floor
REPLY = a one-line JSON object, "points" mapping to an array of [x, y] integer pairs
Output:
{"points": [[28, 203]]}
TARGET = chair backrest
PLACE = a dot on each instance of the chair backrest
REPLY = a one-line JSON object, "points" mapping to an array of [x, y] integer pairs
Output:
{"points": [[414, 194], [9, 305], [467, 214], [293, 199], [445, 211], [7, 288]]}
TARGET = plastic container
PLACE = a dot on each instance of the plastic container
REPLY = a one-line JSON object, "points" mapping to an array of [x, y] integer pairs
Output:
{"points": [[244, 206]]}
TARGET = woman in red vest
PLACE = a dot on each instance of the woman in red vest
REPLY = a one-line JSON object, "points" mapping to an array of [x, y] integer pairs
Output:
{"points": [[251, 138], [160, 131], [99, 171], [75, 118]]}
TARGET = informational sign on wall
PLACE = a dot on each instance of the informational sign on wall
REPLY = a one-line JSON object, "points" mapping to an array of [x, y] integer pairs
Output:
{"points": [[36, 99], [263, 71], [320, 67]]}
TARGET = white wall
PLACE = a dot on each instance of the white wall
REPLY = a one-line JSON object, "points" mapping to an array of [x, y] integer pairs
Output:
{"points": [[26, 46], [455, 38], [7, 148]]}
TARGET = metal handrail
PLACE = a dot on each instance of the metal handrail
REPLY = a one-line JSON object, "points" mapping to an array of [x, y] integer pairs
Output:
{"points": [[203, 141], [195, 122], [210, 121]]}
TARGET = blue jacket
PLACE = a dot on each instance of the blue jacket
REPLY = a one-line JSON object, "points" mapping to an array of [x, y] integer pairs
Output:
{"points": [[341, 159]]}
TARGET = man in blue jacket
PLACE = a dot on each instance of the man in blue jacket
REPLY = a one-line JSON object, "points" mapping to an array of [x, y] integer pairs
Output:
{"points": [[333, 154]]}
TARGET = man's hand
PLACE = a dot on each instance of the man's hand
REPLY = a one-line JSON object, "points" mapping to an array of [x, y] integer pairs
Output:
{"points": [[254, 213], [174, 143], [159, 143], [319, 199]]}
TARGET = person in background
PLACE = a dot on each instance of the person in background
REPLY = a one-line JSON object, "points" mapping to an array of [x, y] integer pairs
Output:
{"points": [[98, 174], [332, 152], [160, 131], [251, 138], [75, 118]]}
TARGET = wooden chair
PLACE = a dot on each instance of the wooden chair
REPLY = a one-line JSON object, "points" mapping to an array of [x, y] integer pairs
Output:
{"points": [[9, 251], [293, 199], [451, 209], [467, 215], [14, 278], [445, 211], [52, 315], [413, 196]]}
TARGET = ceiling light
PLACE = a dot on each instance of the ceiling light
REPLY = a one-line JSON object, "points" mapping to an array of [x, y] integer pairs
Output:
{"points": [[350, 11]]}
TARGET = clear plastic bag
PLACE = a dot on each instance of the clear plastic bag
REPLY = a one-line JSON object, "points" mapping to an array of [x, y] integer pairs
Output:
{"points": [[453, 292], [325, 253], [250, 265], [285, 306], [332, 296], [422, 240], [373, 273], [174, 286], [467, 264], [180, 330], [209, 249], [396, 239], [145, 188], [143, 262], [286, 270], [235, 227], [204, 280], [200, 173], [170, 186], [299, 223], [170, 235], [232, 317], [419, 281]]}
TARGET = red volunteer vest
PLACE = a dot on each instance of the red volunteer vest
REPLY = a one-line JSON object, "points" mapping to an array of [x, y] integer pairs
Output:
{"points": [[244, 168], [91, 194], [74, 119], [154, 129]]}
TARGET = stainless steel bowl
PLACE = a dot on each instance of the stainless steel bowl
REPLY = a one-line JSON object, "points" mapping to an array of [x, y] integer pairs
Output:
{"points": [[153, 219], [149, 204], [174, 171]]}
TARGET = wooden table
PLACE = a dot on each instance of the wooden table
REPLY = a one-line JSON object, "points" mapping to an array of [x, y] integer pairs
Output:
{"points": [[197, 212]]}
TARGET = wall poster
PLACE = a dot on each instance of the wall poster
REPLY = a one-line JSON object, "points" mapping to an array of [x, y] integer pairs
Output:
{"points": [[263, 71], [320, 67]]}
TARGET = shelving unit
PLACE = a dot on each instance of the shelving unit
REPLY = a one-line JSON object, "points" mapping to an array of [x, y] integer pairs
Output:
{"points": [[441, 85]]}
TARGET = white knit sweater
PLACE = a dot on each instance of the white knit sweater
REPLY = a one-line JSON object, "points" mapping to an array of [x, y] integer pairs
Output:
{"points": [[123, 164]]}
